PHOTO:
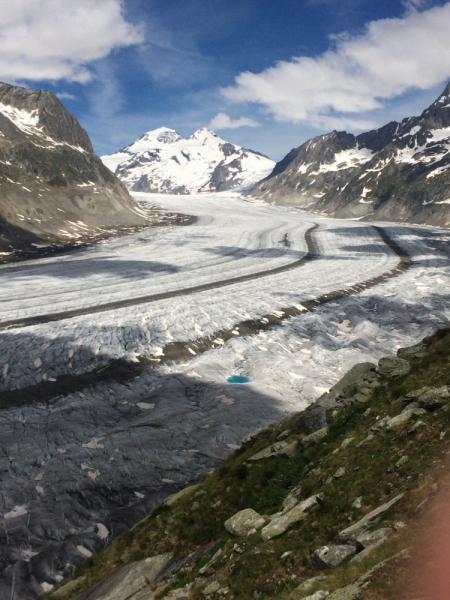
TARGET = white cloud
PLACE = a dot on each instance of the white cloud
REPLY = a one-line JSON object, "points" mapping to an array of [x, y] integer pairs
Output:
{"points": [[223, 121], [414, 5], [65, 96], [56, 39], [356, 74]]}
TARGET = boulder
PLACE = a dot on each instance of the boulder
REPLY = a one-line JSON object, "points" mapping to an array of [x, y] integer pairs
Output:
{"points": [[244, 521], [357, 503], [212, 588], [401, 462], [291, 499], [277, 449], [370, 541], [352, 532], [404, 417], [339, 473], [415, 394], [208, 569], [375, 538], [360, 378], [312, 420], [391, 366], [278, 526], [418, 425], [314, 438], [435, 398], [355, 379], [332, 556], [417, 351], [273, 516], [179, 593]]}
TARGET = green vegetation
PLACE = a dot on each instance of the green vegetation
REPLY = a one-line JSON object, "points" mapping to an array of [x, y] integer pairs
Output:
{"points": [[258, 569]]}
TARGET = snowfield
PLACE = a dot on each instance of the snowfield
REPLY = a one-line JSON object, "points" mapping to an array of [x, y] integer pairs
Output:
{"points": [[162, 161], [107, 452]]}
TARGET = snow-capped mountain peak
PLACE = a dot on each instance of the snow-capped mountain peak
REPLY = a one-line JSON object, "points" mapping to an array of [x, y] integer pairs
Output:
{"points": [[162, 161], [203, 134], [152, 139]]}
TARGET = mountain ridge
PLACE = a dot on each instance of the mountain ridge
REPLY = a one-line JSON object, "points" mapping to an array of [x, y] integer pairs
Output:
{"points": [[54, 190], [398, 172]]}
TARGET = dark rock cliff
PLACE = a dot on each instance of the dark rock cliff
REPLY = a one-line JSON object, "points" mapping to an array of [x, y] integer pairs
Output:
{"points": [[53, 188]]}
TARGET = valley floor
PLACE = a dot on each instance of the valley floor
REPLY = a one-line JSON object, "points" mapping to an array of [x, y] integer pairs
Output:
{"points": [[105, 454]]}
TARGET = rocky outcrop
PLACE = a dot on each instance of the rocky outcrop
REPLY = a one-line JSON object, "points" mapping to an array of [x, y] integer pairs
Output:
{"points": [[399, 172], [277, 449], [356, 386], [351, 534], [135, 581], [281, 524], [53, 187], [392, 366], [434, 398], [332, 556], [244, 522]]}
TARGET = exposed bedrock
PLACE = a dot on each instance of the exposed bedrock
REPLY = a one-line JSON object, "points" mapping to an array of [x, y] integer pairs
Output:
{"points": [[53, 187]]}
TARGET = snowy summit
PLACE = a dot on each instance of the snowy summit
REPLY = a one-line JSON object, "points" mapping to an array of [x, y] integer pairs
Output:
{"points": [[162, 161]]}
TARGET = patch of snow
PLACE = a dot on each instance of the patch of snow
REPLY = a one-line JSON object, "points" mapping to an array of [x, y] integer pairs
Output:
{"points": [[26, 121], [440, 134], [346, 159], [438, 171]]}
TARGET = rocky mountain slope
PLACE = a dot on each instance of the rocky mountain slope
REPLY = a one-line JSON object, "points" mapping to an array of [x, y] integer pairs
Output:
{"points": [[399, 172], [162, 161], [321, 504], [53, 187]]}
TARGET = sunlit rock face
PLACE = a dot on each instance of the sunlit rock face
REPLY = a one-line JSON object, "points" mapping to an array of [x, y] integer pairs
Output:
{"points": [[53, 187], [400, 172], [162, 161]]}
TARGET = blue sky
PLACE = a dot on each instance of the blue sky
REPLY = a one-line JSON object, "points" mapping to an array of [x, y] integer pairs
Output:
{"points": [[266, 75]]}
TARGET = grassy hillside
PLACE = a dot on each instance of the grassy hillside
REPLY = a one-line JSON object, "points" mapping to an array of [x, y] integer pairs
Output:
{"points": [[362, 460]]}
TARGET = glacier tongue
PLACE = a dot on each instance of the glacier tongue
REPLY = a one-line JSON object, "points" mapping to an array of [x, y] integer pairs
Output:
{"points": [[162, 161]]}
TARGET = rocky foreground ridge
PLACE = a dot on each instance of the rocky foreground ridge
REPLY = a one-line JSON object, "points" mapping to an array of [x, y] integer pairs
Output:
{"points": [[318, 505], [53, 187], [162, 161], [399, 172]]}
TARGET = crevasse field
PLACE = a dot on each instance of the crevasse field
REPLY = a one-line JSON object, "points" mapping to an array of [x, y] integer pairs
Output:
{"points": [[79, 468]]}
